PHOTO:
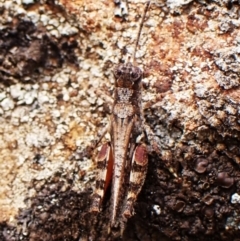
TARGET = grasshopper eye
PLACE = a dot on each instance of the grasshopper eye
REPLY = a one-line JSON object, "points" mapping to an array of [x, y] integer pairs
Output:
{"points": [[135, 74], [117, 72]]}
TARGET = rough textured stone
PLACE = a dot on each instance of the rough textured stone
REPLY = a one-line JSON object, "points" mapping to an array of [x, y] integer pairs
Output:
{"points": [[55, 54]]}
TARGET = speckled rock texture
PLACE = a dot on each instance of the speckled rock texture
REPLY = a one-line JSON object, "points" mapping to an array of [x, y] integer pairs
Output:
{"points": [[54, 55]]}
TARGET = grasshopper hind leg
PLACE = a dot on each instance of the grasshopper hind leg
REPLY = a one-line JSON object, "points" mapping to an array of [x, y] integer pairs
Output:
{"points": [[105, 169], [137, 176]]}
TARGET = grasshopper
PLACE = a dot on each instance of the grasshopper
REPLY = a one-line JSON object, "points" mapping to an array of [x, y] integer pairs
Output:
{"points": [[124, 160]]}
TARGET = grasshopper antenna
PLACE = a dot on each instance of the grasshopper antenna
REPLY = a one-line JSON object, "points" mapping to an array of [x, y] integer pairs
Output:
{"points": [[140, 30]]}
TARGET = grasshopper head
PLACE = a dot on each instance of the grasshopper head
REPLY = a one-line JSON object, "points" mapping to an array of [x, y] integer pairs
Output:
{"points": [[126, 75]]}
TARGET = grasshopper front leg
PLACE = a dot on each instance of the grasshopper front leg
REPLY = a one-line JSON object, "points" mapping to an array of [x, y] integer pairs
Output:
{"points": [[105, 169]]}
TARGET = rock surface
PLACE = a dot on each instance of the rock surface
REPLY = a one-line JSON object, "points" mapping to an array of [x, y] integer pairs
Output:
{"points": [[54, 56]]}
